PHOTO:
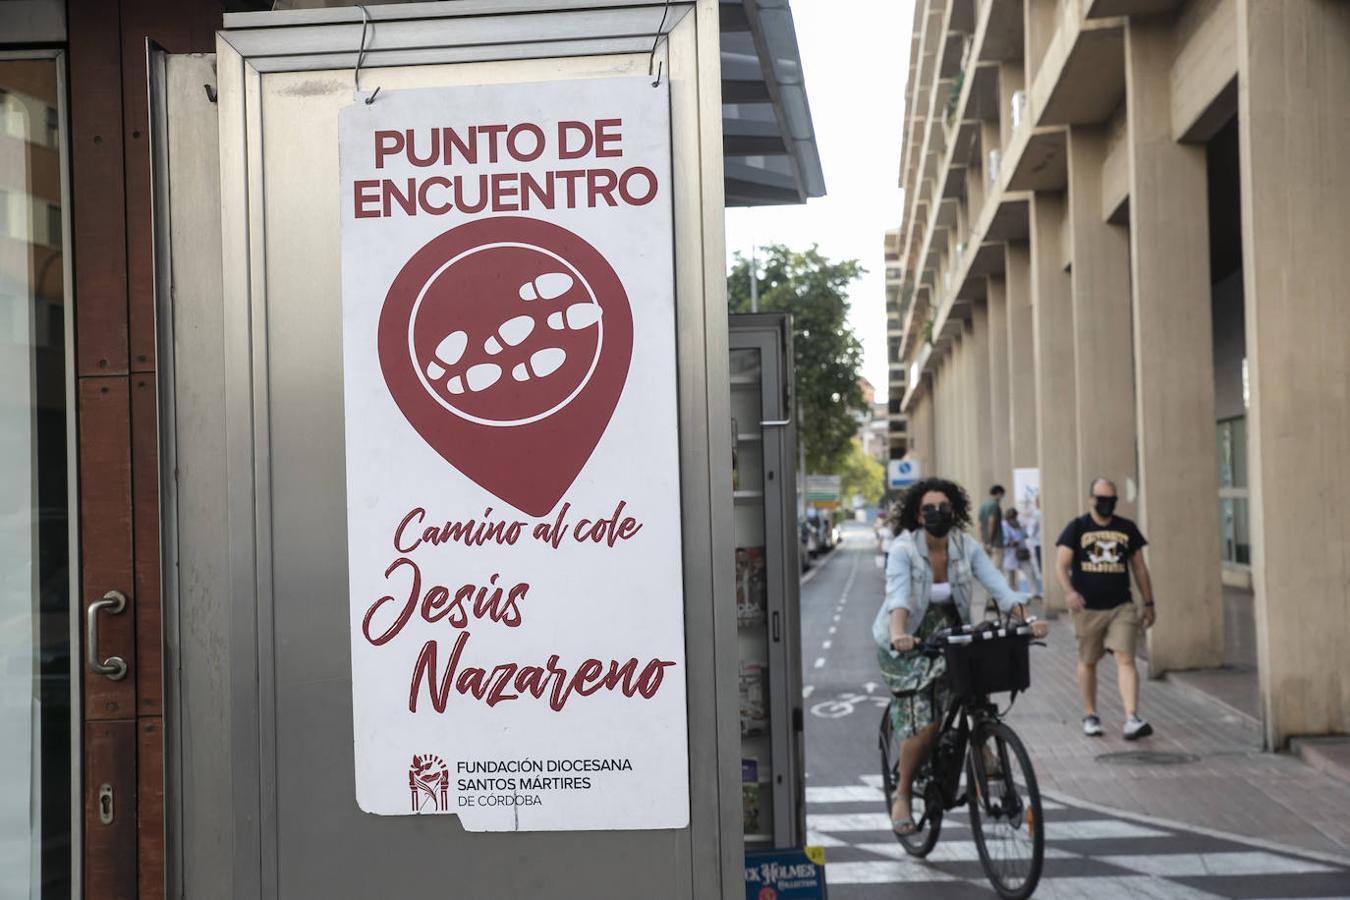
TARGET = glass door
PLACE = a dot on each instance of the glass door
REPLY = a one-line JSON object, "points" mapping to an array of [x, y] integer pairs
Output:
{"points": [[752, 595], [767, 573], [35, 524]]}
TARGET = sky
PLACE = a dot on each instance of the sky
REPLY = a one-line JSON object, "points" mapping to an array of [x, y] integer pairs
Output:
{"points": [[854, 64]]}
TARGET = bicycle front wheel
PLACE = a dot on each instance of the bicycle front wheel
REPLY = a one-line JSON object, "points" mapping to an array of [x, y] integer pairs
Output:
{"points": [[1005, 810], [921, 842]]}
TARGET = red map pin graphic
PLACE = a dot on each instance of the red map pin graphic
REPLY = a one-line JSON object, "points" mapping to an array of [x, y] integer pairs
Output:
{"points": [[506, 342]]}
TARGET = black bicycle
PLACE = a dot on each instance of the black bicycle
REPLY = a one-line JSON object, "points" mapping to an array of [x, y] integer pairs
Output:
{"points": [[999, 784]]}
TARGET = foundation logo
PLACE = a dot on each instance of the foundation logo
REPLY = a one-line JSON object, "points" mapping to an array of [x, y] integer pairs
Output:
{"points": [[429, 784], [506, 343]]}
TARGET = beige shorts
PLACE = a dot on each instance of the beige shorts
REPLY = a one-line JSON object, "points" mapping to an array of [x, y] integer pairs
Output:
{"points": [[1099, 630]]}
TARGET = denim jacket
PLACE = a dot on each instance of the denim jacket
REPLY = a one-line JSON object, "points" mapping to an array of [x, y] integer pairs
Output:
{"points": [[909, 580]]}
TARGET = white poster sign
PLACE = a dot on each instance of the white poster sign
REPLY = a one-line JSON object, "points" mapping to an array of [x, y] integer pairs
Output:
{"points": [[1026, 488], [513, 496]]}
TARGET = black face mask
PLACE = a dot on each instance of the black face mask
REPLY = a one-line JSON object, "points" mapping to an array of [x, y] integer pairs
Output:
{"points": [[1105, 506], [938, 522]]}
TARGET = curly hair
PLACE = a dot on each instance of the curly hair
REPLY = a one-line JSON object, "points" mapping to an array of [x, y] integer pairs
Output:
{"points": [[908, 519]]}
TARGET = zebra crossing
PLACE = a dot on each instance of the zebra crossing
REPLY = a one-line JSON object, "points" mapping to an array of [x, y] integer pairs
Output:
{"points": [[1089, 853]]}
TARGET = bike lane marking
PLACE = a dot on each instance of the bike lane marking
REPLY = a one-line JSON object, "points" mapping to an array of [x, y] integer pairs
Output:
{"points": [[843, 598]]}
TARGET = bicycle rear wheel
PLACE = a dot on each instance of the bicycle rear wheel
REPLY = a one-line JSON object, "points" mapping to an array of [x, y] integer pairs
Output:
{"points": [[921, 842], [1005, 810]]}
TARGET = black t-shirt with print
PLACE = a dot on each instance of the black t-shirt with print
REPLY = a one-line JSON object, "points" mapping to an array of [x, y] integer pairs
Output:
{"points": [[1101, 556]]}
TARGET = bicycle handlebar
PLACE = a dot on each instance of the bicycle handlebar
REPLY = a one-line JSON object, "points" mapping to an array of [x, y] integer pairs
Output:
{"points": [[968, 634]]}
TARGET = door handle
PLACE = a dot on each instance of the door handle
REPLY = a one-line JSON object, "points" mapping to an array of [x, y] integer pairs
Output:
{"points": [[775, 423], [115, 667]]}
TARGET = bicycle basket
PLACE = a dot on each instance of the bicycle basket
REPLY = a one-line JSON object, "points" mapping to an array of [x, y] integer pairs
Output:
{"points": [[989, 666]]}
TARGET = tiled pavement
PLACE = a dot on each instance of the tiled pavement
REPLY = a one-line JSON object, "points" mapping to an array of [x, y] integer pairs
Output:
{"points": [[1088, 854], [1225, 781], [1221, 794]]}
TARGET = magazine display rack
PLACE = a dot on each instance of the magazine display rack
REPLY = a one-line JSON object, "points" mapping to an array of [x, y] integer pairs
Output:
{"points": [[763, 456]]}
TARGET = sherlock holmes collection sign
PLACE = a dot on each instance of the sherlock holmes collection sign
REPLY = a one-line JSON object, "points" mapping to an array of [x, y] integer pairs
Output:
{"points": [[513, 505]]}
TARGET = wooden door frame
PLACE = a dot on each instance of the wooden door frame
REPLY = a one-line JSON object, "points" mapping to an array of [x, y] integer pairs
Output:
{"points": [[114, 368]]}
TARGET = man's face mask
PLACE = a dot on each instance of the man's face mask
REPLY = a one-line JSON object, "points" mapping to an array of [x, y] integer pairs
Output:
{"points": [[1105, 506]]}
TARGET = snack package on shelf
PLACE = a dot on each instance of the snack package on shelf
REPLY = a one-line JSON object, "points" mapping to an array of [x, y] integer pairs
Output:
{"points": [[754, 699], [752, 588], [750, 807]]}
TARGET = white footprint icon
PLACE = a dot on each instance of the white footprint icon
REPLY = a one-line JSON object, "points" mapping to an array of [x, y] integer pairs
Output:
{"points": [[548, 286], [448, 352], [478, 378], [575, 317], [512, 332], [542, 364]]}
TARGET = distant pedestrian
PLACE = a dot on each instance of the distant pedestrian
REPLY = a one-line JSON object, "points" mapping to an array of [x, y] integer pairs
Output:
{"points": [[885, 533], [991, 525], [1094, 557], [931, 572], [1016, 553]]}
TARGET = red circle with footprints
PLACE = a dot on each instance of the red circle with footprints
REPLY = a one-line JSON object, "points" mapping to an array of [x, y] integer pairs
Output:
{"points": [[509, 318]]}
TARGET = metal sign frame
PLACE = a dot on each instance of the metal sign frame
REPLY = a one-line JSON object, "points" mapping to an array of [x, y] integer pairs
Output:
{"points": [[681, 40]]}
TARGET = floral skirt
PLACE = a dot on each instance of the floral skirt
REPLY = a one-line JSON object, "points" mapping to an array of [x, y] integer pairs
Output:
{"points": [[917, 683]]}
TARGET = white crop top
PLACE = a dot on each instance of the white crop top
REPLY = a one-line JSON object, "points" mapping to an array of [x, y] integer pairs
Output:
{"points": [[941, 592]]}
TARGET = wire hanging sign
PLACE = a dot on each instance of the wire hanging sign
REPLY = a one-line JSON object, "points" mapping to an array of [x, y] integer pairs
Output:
{"points": [[366, 23], [660, 29]]}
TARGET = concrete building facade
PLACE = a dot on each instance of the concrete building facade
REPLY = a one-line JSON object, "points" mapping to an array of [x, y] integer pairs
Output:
{"points": [[1123, 253], [897, 428]]}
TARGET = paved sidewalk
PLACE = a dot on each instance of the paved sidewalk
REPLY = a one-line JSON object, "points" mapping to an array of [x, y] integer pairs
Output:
{"points": [[1203, 766]]}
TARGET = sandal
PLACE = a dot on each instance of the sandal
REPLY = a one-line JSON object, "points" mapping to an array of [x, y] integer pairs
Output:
{"points": [[903, 827]]}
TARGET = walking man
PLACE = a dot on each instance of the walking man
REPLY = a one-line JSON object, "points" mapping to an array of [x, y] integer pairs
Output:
{"points": [[1094, 556], [991, 526]]}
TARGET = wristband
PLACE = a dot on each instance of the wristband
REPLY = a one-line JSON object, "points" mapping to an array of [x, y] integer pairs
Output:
{"points": [[1148, 604]]}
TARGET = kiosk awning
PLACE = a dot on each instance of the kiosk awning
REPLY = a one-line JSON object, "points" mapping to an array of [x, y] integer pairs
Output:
{"points": [[767, 134]]}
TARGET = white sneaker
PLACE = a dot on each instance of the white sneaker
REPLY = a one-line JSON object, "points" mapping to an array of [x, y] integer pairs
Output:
{"points": [[1137, 728], [1092, 726]]}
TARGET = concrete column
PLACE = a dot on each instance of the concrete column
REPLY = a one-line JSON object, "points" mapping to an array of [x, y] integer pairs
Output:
{"points": [[1056, 412], [1040, 18], [1011, 79], [1102, 326], [941, 421], [964, 410], [1293, 69], [922, 440], [974, 190], [957, 413], [1173, 362], [970, 402], [1021, 360], [1000, 431], [982, 396]]}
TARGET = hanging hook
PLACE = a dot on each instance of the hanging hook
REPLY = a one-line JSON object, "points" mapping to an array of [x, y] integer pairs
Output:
{"points": [[361, 54], [665, 11]]}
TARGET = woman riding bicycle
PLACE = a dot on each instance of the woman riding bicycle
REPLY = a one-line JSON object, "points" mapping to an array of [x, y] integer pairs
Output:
{"points": [[930, 574]]}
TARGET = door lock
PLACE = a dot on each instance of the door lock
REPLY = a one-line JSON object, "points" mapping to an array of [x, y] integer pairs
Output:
{"points": [[115, 667], [105, 804]]}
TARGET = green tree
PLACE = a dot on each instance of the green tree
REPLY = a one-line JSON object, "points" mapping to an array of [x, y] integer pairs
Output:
{"points": [[827, 354], [861, 474]]}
